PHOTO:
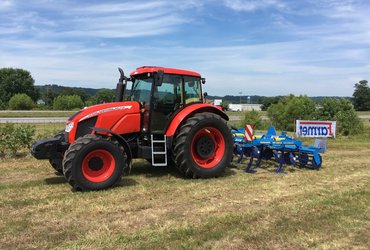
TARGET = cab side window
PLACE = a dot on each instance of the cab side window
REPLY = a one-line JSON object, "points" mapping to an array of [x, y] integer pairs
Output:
{"points": [[192, 86]]}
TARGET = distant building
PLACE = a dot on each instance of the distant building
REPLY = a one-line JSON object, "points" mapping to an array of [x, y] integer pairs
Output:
{"points": [[40, 102], [217, 102], [244, 107]]}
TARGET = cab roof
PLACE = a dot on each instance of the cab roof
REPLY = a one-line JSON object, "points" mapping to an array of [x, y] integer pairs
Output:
{"points": [[151, 69]]}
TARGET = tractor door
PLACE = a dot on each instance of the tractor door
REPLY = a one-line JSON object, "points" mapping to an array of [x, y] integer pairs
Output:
{"points": [[165, 100]]}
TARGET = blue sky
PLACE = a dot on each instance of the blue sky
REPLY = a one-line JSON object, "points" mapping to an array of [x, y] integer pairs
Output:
{"points": [[265, 47]]}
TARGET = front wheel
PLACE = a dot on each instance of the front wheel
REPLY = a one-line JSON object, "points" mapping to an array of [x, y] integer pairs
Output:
{"points": [[93, 162], [57, 165], [203, 146]]}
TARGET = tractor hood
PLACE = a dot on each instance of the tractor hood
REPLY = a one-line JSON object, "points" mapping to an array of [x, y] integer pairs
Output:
{"points": [[105, 116]]}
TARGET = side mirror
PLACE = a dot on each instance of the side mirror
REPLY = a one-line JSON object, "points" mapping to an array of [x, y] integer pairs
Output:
{"points": [[205, 94], [203, 80], [158, 78]]}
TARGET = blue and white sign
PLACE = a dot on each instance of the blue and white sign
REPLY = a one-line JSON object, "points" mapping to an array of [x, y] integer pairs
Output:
{"points": [[315, 128]]}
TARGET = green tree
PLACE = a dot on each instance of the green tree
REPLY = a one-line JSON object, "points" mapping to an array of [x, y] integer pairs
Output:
{"points": [[67, 102], [361, 96], [14, 81], [105, 95], [289, 109], [21, 102], [268, 101], [342, 111], [91, 101], [2, 105], [74, 91], [48, 95]]}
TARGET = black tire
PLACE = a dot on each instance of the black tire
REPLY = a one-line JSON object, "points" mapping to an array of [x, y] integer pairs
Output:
{"points": [[190, 149], [92, 155], [57, 163]]}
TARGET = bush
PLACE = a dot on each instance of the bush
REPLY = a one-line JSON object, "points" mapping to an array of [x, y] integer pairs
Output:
{"points": [[225, 105], [342, 111], [67, 102], [21, 102], [289, 109], [13, 138], [254, 118]]}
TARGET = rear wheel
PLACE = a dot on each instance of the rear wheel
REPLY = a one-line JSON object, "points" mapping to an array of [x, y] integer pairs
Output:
{"points": [[93, 162], [203, 146]]}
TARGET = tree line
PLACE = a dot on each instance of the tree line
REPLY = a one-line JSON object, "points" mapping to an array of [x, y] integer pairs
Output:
{"points": [[17, 91]]}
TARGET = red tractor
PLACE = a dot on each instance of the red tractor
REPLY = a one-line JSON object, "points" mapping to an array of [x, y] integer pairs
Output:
{"points": [[162, 119]]}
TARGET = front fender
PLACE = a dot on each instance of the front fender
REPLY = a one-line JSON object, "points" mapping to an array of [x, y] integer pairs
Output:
{"points": [[190, 110]]}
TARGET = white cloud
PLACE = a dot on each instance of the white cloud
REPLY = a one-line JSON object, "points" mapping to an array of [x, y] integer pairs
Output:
{"points": [[253, 5], [268, 69], [5, 5], [101, 20], [72, 45]]}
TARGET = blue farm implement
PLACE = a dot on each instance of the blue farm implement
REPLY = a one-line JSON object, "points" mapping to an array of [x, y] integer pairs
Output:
{"points": [[282, 148]]}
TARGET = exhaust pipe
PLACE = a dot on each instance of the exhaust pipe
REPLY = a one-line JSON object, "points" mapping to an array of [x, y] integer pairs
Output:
{"points": [[121, 86]]}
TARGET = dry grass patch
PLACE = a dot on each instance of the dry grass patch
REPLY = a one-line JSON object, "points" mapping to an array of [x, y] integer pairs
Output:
{"points": [[155, 208]]}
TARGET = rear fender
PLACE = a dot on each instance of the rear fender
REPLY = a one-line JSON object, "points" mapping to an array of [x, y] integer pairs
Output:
{"points": [[190, 110]]}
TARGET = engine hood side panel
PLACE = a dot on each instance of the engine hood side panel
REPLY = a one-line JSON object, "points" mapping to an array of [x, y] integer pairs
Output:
{"points": [[108, 114]]}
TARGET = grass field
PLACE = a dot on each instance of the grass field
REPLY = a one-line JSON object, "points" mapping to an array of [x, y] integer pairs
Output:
{"points": [[363, 112], [154, 208], [46, 113]]}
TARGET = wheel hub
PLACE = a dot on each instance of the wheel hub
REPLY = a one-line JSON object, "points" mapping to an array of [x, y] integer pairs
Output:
{"points": [[205, 147], [96, 163]]}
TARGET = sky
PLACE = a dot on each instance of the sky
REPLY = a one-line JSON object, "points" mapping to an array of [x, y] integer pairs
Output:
{"points": [[257, 47]]}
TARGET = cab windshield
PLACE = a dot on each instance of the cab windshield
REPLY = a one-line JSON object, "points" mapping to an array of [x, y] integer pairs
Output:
{"points": [[141, 89], [174, 89]]}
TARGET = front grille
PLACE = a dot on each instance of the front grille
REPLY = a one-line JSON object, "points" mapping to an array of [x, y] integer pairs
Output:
{"points": [[85, 127]]}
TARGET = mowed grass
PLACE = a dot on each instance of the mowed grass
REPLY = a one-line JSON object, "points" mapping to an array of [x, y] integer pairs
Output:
{"points": [[46, 113], [154, 208], [363, 112]]}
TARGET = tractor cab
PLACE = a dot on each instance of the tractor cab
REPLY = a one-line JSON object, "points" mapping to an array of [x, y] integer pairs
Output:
{"points": [[162, 92]]}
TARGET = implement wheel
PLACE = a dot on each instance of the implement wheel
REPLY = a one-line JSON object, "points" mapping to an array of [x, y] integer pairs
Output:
{"points": [[203, 146], [93, 162]]}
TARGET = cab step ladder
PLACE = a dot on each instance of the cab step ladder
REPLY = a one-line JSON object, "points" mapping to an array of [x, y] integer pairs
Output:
{"points": [[159, 147]]}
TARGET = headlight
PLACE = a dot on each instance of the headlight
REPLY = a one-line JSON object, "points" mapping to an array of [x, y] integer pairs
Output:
{"points": [[69, 127]]}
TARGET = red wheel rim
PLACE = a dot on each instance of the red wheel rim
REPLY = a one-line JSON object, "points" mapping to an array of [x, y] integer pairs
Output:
{"points": [[214, 153], [98, 165]]}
